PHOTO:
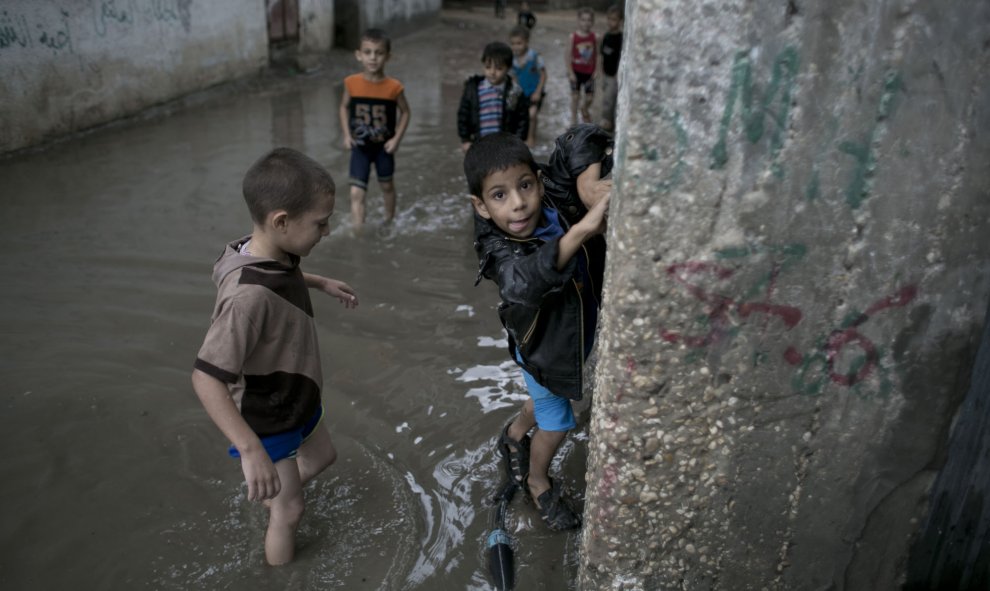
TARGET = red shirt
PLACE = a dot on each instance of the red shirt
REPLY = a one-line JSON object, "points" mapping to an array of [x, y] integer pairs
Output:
{"points": [[583, 54]]}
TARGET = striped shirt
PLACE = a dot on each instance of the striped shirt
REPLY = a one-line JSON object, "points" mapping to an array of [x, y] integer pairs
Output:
{"points": [[490, 107]]}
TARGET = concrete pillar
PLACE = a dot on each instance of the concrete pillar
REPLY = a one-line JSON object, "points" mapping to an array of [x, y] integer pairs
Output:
{"points": [[798, 274]]}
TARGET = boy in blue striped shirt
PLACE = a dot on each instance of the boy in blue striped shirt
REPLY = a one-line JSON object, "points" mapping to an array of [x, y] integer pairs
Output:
{"points": [[494, 101]]}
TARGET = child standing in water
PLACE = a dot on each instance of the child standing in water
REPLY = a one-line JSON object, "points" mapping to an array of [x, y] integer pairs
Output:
{"points": [[542, 246], [527, 65], [374, 115], [258, 371], [582, 58]]}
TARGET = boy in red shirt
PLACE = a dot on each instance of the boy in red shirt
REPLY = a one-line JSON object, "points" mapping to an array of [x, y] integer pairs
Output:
{"points": [[582, 58]]}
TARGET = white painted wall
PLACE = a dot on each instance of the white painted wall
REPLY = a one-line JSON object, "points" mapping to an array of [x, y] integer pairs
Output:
{"points": [[73, 64]]}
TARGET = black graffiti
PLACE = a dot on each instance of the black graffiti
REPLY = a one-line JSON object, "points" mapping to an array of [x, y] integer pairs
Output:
{"points": [[14, 31]]}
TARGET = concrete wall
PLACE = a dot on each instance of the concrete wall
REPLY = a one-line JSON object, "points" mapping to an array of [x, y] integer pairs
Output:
{"points": [[798, 275], [397, 17], [72, 64]]}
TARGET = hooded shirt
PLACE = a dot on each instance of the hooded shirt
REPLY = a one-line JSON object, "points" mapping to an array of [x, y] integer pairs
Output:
{"points": [[262, 340]]}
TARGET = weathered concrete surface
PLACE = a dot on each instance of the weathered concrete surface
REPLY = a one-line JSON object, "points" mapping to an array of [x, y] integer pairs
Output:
{"points": [[74, 64], [798, 274], [397, 17]]}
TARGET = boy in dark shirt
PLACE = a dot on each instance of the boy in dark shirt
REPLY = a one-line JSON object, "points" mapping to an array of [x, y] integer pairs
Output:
{"points": [[544, 250], [611, 51], [494, 101]]}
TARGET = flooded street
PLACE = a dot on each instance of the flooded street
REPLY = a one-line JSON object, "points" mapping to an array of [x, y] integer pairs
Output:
{"points": [[114, 476]]}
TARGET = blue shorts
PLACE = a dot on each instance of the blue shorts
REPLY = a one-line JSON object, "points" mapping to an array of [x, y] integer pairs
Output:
{"points": [[362, 158], [552, 412], [285, 445]]}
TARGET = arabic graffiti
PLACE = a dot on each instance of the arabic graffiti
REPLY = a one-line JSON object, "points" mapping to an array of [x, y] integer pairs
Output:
{"points": [[55, 30], [844, 356]]}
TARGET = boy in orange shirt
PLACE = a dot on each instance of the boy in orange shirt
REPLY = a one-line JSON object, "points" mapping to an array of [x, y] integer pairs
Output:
{"points": [[374, 116]]}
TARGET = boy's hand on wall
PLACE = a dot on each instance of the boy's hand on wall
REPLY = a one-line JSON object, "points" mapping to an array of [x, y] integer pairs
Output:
{"points": [[595, 220]]}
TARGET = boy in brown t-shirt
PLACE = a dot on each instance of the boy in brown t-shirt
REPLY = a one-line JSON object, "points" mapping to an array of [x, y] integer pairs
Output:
{"points": [[258, 371]]}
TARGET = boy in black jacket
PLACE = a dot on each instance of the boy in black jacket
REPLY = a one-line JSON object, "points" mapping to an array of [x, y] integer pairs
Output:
{"points": [[493, 102], [544, 250]]}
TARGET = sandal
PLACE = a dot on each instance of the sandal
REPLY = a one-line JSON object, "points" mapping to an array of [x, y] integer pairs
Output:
{"points": [[555, 510], [516, 455]]}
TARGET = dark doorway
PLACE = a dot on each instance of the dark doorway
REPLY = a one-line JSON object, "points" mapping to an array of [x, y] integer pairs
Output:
{"points": [[283, 22]]}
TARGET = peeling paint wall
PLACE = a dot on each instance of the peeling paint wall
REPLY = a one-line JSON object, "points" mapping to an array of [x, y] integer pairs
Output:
{"points": [[73, 64], [798, 274]]}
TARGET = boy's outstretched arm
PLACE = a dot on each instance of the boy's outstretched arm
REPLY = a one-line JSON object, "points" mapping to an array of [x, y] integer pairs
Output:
{"points": [[333, 287], [259, 472], [592, 224], [400, 128]]}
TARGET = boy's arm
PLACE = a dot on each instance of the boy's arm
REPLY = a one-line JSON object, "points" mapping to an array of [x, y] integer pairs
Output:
{"points": [[535, 98], [259, 472], [400, 128], [464, 118], [345, 124], [592, 224], [590, 186], [333, 287], [569, 59]]}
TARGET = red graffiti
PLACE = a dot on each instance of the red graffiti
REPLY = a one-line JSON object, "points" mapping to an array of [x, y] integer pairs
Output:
{"points": [[724, 314], [718, 319]]}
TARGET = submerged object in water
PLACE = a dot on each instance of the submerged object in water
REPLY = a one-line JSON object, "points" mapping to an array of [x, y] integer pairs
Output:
{"points": [[500, 560]]}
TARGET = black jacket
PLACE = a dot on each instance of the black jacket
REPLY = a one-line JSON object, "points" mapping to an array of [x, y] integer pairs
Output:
{"points": [[515, 110], [541, 307]]}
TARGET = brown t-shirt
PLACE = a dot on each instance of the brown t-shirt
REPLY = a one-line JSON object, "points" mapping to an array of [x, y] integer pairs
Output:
{"points": [[262, 341]]}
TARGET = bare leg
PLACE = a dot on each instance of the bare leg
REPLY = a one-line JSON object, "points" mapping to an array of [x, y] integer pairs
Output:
{"points": [[357, 206], [286, 512], [316, 454], [523, 422], [531, 138], [388, 193], [586, 107], [575, 98], [541, 452]]}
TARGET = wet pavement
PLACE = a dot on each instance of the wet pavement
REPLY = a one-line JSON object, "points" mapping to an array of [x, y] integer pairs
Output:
{"points": [[115, 478]]}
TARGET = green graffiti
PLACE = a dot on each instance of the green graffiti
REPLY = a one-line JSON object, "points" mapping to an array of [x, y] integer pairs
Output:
{"points": [[782, 81], [860, 182], [676, 174], [785, 256]]}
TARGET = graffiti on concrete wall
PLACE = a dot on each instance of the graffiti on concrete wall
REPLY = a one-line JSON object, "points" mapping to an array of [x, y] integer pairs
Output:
{"points": [[842, 355], [57, 29], [767, 116]]}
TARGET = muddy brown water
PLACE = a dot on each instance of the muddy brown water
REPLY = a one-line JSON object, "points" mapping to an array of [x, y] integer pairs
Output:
{"points": [[114, 477]]}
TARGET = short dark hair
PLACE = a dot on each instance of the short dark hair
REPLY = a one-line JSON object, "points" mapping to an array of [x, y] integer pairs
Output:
{"points": [[494, 152], [586, 10], [519, 31], [498, 52], [377, 36], [284, 179], [614, 9]]}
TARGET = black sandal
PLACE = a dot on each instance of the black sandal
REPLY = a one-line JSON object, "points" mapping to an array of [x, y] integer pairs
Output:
{"points": [[555, 510], [516, 455]]}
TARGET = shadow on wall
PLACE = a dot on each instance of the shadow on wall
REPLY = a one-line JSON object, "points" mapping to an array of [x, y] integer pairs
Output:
{"points": [[953, 547]]}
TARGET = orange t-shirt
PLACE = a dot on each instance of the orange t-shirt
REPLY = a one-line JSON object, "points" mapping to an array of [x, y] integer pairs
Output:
{"points": [[372, 109]]}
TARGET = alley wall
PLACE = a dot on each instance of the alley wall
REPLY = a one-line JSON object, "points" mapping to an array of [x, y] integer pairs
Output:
{"points": [[73, 64], [798, 274]]}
